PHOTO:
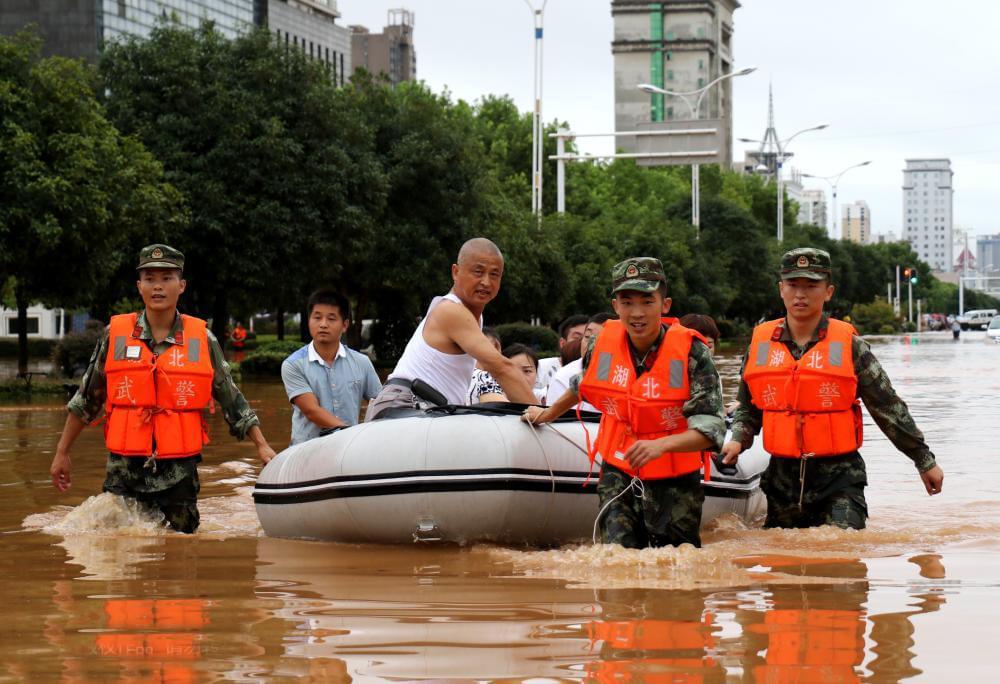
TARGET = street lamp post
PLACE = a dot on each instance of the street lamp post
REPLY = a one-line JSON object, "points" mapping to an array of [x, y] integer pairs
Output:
{"points": [[780, 157], [537, 126], [695, 116], [832, 181]]}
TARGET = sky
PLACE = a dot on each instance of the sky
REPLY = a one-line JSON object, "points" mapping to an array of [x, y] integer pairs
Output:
{"points": [[895, 80]]}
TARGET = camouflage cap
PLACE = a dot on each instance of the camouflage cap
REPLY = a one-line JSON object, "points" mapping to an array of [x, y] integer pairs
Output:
{"points": [[160, 256], [641, 274], [806, 262]]}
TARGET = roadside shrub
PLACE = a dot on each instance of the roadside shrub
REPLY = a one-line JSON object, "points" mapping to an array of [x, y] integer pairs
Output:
{"points": [[538, 337], [72, 353], [874, 318], [37, 347], [268, 357], [886, 330]]}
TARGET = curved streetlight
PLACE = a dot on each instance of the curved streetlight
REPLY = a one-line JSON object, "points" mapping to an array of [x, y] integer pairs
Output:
{"points": [[695, 115], [779, 160], [833, 180]]}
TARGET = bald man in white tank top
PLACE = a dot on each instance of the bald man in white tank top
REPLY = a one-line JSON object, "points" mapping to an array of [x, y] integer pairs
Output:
{"points": [[449, 340]]}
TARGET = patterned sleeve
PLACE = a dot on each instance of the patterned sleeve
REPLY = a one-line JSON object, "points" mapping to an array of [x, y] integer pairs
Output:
{"points": [[574, 382], [88, 402], [483, 383], [888, 411], [235, 407], [747, 419], [704, 409]]}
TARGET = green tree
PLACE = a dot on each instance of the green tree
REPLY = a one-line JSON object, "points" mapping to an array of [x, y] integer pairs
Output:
{"points": [[72, 188], [276, 170]]}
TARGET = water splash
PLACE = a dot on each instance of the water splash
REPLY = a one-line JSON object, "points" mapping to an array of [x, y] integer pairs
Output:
{"points": [[103, 514]]}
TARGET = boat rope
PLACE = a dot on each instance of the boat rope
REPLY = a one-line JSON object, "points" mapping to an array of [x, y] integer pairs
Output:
{"points": [[635, 483], [552, 475]]}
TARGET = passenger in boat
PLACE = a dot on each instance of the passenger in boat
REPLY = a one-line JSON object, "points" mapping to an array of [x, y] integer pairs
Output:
{"points": [[325, 380], [526, 359], [570, 329], [155, 373], [449, 341], [482, 382], [561, 381], [709, 329], [802, 378], [658, 391]]}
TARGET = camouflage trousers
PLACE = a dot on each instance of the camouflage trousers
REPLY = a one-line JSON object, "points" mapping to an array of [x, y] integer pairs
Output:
{"points": [[667, 513], [171, 488], [832, 490]]}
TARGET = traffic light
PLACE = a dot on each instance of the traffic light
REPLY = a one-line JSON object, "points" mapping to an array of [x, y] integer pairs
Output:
{"points": [[913, 275]]}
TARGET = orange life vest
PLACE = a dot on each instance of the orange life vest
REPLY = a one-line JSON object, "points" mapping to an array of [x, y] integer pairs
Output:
{"points": [[642, 408], [653, 639], [811, 645], [810, 406], [155, 402], [155, 629]]}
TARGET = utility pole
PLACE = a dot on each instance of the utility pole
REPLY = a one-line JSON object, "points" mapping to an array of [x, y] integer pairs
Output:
{"points": [[537, 124]]}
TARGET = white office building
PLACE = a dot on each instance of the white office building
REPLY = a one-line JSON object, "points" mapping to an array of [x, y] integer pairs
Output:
{"points": [[927, 210]]}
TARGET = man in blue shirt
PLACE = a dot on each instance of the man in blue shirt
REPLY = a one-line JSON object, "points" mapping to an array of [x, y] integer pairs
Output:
{"points": [[324, 380]]}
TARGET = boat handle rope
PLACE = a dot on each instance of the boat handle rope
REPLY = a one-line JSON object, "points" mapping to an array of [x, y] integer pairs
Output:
{"points": [[552, 475]]}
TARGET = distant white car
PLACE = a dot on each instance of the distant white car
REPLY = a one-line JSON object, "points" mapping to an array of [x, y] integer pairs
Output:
{"points": [[976, 319], [993, 330]]}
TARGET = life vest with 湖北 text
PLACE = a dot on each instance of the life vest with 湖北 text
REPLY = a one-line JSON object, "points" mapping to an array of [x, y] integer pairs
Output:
{"points": [[644, 408]]}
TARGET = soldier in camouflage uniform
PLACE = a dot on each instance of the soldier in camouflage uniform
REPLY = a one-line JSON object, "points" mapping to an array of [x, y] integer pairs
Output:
{"points": [[829, 490], [167, 485], [660, 511]]}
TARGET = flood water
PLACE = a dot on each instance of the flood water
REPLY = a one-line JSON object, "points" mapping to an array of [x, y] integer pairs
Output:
{"points": [[94, 591]]}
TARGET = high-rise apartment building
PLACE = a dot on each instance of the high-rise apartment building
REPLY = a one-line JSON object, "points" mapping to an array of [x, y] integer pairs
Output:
{"points": [[391, 52], [812, 208], [988, 252], [856, 224], [679, 46], [311, 26], [927, 210], [80, 28]]}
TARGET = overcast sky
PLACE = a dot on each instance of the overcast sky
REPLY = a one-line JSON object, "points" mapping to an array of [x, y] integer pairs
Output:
{"points": [[894, 80]]}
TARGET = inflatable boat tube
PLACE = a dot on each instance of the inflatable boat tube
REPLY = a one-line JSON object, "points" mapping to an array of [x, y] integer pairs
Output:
{"points": [[458, 474]]}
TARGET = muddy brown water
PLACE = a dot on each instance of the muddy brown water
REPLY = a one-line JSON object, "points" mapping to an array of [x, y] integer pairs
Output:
{"points": [[94, 591]]}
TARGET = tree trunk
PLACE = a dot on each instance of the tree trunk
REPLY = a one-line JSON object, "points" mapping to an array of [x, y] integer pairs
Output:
{"points": [[304, 326], [22, 330], [358, 322], [220, 319], [281, 323]]}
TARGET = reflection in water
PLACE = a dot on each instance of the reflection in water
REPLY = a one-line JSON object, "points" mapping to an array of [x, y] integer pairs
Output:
{"points": [[440, 616], [94, 592]]}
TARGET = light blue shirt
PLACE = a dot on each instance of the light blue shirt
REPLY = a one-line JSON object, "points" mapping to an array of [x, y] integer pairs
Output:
{"points": [[338, 388]]}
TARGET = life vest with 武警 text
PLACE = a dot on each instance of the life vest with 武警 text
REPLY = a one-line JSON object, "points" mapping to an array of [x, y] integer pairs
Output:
{"points": [[155, 402], [810, 405]]}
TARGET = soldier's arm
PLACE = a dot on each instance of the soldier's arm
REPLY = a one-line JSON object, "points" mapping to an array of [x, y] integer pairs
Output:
{"points": [[704, 410], [84, 408], [243, 422], [235, 408], [888, 411], [747, 419], [569, 398], [88, 402]]}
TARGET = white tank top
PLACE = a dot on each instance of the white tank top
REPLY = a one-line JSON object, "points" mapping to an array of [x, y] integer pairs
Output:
{"points": [[449, 374]]}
